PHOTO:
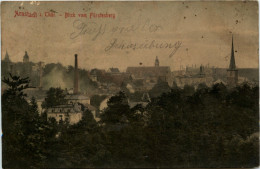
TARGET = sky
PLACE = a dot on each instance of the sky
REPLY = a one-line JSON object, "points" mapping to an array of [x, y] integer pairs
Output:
{"points": [[179, 33]]}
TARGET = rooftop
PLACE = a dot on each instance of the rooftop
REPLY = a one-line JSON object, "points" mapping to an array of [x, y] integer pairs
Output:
{"points": [[76, 97]]}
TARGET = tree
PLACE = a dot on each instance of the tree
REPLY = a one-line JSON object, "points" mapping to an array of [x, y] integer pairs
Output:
{"points": [[22, 139], [79, 144], [210, 127], [174, 85], [159, 88], [34, 105], [95, 100], [123, 132], [16, 86], [188, 90], [55, 96], [14, 95], [117, 111]]}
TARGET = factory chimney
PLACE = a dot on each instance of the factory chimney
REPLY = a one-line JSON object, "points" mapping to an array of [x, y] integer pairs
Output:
{"points": [[76, 76]]}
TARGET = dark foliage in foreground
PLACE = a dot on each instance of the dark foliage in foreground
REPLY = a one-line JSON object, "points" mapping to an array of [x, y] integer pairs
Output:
{"points": [[212, 127]]}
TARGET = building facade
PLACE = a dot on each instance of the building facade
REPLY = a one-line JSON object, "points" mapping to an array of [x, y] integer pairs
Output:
{"points": [[150, 74], [72, 113]]}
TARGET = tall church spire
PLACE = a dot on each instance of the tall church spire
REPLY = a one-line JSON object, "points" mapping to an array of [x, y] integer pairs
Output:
{"points": [[232, 72], [6, 63], [7, 59], [232, 65]]}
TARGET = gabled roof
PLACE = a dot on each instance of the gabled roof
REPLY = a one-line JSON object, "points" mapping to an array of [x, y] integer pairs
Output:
{"points": [[63, 106], [73, 108], [113, 70], [76, 97], [90, 107], [97, 71], [219, 81]]}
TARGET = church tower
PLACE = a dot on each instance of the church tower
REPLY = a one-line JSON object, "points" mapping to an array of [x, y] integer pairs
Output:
{"points": [[25, 58], [156, 64], [232, 72], [6, 63], [7, 59]]}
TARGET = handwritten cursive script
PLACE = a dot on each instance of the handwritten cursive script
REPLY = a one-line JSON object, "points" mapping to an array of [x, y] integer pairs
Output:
{"points": [[147, 44], [95, 30]]}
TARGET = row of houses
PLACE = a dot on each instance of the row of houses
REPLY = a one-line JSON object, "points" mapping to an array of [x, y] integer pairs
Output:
{"points": [[139, 78], [144, 78]]}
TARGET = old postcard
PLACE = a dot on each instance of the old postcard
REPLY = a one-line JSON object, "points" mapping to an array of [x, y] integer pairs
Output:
{"points": [[130, 84]]}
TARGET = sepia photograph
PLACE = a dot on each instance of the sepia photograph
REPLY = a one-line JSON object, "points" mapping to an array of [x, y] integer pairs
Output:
{"points": [[120, 84]]}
